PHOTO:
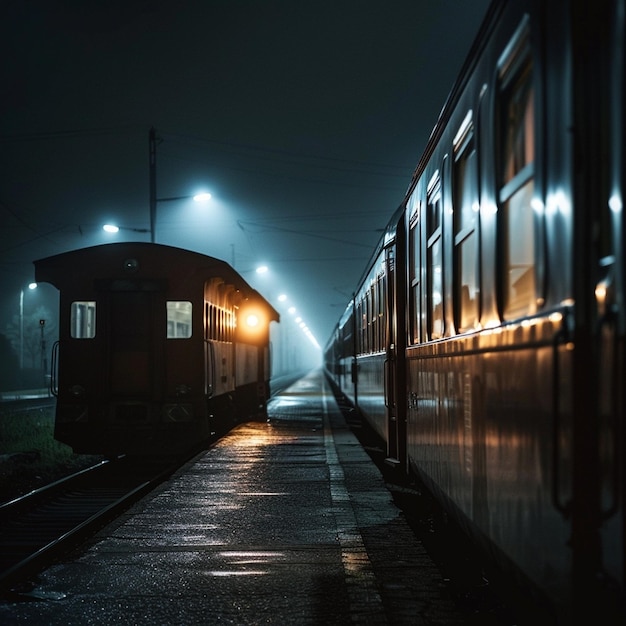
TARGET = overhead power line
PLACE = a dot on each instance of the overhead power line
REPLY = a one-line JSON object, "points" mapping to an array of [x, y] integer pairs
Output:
{"points": [[69, 133]]}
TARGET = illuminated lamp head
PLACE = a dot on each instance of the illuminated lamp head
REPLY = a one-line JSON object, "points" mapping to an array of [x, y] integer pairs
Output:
{"points": [[252, 324], [252, 320]]}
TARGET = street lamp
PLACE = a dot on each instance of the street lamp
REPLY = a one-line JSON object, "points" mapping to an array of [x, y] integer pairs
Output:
{"points": [[114, 228], [200, 197], [31, 286]]}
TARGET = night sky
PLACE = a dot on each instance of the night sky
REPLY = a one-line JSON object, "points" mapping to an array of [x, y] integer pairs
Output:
{"points": [[303, 118]]}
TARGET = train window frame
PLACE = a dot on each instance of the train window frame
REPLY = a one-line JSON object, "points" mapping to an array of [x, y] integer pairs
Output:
{"points": [[466, 226], [381, 286], [83, 319], [361, 327], [435, 258], [179, 316], [517, 152], [415, 270]]}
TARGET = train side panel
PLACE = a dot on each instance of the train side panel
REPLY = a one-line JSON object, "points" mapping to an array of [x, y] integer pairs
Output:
{"points": [[481, 435]]}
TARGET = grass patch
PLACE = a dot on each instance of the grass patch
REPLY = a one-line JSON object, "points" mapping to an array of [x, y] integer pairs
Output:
{"points": [[32, 430], [30, 457]]}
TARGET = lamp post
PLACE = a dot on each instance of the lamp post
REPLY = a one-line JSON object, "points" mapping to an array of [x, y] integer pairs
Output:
{"points": [[200, 197], [31, 286]]}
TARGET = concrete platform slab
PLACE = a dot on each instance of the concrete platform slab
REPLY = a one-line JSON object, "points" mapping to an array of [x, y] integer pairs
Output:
{"points": [[285, 522]]}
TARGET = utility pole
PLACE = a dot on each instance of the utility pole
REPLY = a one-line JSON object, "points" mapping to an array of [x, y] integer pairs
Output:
{"points": [[152, 164], [44, 361]]}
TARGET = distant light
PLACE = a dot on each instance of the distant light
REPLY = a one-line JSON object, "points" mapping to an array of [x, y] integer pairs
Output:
{"points": [[32, 285], [615, 203], [291, 310], [298, 320], [282, 297], [111, 228], [202, 197], [262, 269]]}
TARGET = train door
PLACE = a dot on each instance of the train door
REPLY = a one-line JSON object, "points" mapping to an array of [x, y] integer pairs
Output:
{"points": [[390, 372], [136, 339], [394, 359]]}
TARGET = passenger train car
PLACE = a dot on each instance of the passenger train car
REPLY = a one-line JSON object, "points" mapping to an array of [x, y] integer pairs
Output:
{"points": [[485, 341], [159, 348]]}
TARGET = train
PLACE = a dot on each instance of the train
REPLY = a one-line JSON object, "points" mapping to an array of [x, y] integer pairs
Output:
{"points": [[485, 340], [160, 349]]}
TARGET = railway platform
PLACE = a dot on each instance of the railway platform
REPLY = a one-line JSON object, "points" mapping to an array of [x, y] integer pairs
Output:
{"points": [[284, 522]]}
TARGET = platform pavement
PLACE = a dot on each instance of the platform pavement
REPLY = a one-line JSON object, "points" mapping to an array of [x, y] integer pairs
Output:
{"points": [[285, 522]]}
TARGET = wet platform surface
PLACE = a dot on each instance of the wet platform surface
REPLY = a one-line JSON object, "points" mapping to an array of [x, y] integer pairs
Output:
{"points": [[285, 522]]}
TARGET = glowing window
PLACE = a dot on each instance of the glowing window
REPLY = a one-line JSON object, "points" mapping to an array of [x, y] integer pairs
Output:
{"points": [[178, 319], [83, 320], [415, 256], [465, 218], [517, 148], [435, 283], [434, 253]]}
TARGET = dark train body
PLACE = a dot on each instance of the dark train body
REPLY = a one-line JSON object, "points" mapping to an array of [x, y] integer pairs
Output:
{"points": [[155, 353], [485, 341]]}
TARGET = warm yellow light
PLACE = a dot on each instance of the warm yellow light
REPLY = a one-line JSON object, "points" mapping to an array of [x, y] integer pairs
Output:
{"points": [[253, 320]]}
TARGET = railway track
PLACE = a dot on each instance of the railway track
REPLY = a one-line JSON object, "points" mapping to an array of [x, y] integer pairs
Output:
{"points": [[38, 526], [44, 523]]}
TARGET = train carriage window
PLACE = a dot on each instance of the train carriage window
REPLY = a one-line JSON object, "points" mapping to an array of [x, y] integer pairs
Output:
{"points": [[517, 155], [178, 319], [415, 275], [465, 219], [366, 318], [382, 319], [373, 309], [434, 258], [83, 320], [362, 312]]}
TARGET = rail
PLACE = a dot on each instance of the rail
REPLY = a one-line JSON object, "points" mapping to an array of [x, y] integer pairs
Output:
{"points": [[40, 525]]}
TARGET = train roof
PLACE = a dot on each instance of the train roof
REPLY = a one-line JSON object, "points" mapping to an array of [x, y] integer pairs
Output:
{"points": [[475, 52], [156, 261], [388, 236], [480, 41]]}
